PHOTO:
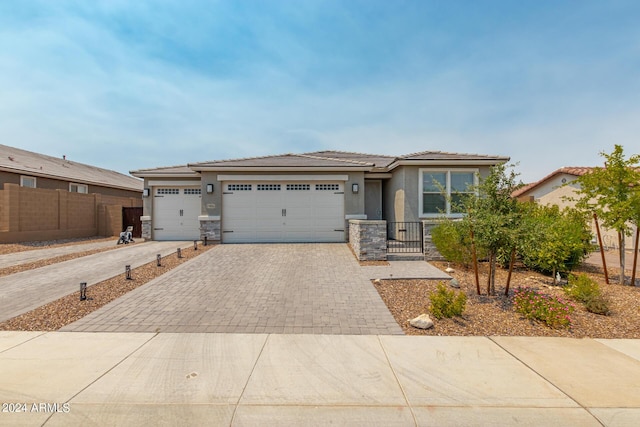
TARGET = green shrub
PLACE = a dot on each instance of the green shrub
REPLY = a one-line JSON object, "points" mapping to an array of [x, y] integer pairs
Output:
{"points": [[553, 311], [598, 304], [587, 291], [553, 240], [582, 288], [453, 241], [447, 303]]}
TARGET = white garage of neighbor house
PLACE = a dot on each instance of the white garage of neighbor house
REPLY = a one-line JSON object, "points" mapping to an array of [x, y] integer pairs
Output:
{"points": [[306, 197]]}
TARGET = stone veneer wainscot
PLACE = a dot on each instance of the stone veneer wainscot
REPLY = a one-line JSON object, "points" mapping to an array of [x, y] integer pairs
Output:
{"points": [[368, 239]]}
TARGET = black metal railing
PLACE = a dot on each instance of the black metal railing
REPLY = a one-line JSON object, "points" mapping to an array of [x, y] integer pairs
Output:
{"points": [[404, 237]]}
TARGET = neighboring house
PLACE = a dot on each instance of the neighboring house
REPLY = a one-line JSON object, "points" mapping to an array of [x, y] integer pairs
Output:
{"points": [[308, 197], [555, 188], [46, 198], [34, 170]]}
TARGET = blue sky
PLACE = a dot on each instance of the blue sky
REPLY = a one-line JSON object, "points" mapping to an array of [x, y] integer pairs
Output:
{"points": [[136, 84]]}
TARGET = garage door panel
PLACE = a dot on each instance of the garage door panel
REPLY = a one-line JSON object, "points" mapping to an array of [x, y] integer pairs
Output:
{"points": [[312, 212], [175, 213]]}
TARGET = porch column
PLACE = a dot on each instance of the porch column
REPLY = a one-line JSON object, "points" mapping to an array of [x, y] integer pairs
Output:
{"points": [[210, 228], [430, 251], [146, 227], [368, 239]]}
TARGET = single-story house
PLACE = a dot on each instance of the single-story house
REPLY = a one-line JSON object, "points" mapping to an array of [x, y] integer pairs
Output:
{"points": [[34, 170], [46, 198], [309, 197]]}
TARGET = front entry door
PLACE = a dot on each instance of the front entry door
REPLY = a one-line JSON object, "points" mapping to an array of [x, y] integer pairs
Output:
{"points": [[373, 199]]}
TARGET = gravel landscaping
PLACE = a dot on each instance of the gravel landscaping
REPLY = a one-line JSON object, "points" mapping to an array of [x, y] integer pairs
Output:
{"points": [[9, 248], [407, 299]]}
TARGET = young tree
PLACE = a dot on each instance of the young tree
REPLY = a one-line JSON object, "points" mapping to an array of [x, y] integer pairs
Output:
{"points": [[495, 215], [612, 193]]}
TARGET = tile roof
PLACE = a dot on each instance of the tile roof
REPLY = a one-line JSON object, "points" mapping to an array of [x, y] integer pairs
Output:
{"points": [[569, 170], [28, 163], [442, 155], [181, 170], [378, 160], [283, 161], [328, 159]]}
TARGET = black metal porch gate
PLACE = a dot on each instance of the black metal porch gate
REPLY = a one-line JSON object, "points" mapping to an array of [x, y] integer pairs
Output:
{"points": [[404, 237]]}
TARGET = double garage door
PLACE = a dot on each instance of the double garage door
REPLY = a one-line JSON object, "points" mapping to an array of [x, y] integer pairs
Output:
{"points": [[282, 212]]}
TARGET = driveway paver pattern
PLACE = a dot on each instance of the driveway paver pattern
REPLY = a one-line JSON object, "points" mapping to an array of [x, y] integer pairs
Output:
{"points": [[254, 288]]}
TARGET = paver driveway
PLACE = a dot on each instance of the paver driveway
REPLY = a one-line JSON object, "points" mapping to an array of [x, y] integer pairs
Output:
{"points": [[254, 288]]}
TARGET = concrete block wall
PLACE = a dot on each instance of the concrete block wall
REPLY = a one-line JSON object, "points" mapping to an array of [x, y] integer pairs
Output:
{"points": [[38, 209], [368, 239], [30, 214], [81, 210], [109, 220]]}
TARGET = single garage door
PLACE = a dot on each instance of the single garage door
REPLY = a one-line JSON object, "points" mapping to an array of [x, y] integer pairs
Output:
{"points": [[283, 212], [175, 213]]}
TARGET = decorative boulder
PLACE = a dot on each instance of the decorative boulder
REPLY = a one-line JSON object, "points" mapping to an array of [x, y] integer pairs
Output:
{"points": [[422, 322], [449, 270], [454, 283]]}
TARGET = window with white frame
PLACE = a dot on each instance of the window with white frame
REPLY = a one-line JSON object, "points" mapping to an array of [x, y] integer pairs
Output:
{"points": [[78, 188], [442, 190], [28, 181]]}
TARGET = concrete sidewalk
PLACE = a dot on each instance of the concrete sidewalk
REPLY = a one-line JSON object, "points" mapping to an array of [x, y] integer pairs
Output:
{"points": [[405, 270], [25, 257], [27, 290], [258, 379]]}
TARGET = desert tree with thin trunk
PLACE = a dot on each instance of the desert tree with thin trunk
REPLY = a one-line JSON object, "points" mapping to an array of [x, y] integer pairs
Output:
{"points": [[495, 216], [612, 192]]}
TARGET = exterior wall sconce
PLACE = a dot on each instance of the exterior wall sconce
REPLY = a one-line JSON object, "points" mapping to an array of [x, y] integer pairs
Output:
{"points": [[209, 188], [355, 188], [146, 192]]}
